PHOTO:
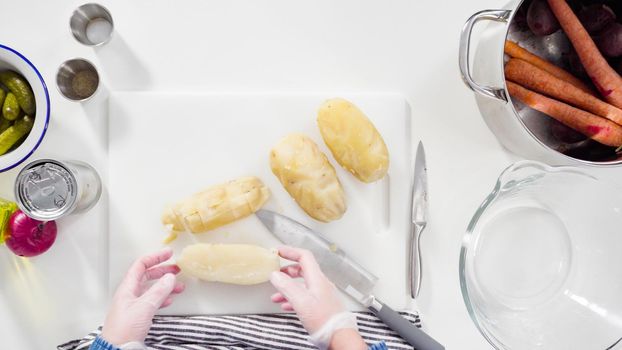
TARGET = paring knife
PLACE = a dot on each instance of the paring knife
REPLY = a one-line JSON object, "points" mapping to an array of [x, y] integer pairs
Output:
{"points": [[346, 274], [419, 218]]}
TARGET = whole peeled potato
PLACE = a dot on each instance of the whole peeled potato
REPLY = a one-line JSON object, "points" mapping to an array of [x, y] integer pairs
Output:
{"points": [[308, 177], [229, 263], [353, 140]]}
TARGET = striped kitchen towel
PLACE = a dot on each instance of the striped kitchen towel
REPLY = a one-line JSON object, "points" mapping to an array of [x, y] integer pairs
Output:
{"points": [[243, 332]]}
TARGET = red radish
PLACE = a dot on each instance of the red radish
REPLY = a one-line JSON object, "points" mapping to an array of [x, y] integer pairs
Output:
{"points": [[540, 19], [596, 17], [29, 237], [607, 80], [610, 40]]}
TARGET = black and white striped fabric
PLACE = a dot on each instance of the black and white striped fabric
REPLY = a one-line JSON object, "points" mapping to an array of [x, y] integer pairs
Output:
{"points": [[243, 332]]}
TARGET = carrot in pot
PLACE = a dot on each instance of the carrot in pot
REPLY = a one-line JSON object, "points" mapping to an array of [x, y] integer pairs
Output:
{"points": [[538, 80], [512, 49], [606, 79], [597, 128]]}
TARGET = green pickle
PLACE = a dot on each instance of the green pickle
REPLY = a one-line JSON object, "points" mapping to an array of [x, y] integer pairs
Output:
{"points": [[2, 96], [10, 107], [14, 133], [4, 124], [21, 89], [7, 208]]}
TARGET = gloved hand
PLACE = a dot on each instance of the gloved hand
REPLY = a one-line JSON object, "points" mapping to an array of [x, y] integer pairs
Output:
{"points": [[316, 302], [135, 302]]}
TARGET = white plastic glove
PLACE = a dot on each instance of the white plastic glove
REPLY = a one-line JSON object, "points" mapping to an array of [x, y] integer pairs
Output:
{"points": [[316, 302], [135, 302]]}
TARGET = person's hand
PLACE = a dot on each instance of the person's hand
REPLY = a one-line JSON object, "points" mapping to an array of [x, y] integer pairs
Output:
{"points": [[316, 302], [135, 302]]}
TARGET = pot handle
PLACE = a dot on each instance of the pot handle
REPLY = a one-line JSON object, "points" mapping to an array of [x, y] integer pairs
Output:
{"points": [[465, 48]]}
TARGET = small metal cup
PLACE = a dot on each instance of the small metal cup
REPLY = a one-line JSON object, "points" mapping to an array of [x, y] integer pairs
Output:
{"points": [[77, 79], [91, 24]]}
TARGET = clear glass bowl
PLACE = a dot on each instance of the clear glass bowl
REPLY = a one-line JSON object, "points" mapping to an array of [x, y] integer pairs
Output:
{"points": [[541, 261]]}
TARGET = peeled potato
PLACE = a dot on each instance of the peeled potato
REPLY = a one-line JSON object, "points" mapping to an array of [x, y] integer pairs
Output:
{"points": [[353, 140], [229, 263], [308, 177], [216, 206]]}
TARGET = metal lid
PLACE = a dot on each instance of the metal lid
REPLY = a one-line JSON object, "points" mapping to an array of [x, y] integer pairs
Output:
{"points": [[46, 190]]}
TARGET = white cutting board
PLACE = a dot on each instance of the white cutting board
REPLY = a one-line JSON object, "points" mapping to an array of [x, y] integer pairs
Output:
{"points": [[164, 147]]}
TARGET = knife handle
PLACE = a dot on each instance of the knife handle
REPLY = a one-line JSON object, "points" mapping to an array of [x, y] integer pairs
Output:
{"points": [[413, 335], [414, 260]]}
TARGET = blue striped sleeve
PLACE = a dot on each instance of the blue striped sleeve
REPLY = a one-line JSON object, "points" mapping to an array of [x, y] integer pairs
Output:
{"points": [[379, 346], [101, 344]]}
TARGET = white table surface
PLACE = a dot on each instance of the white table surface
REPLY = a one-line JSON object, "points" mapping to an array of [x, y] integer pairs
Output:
{"points": [[404, 46]]}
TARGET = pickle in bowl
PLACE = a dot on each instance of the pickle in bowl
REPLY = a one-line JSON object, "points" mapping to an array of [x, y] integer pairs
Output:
{"points": [[18, 110], [24, 108]]}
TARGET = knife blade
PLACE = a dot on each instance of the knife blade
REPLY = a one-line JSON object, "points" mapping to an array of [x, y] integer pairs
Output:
{"points": [[346, 274], [419, 218]]}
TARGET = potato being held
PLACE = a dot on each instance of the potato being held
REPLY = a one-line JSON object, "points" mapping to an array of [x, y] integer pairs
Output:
{"points": [[229, 263], [308, 177], [353, 140]]}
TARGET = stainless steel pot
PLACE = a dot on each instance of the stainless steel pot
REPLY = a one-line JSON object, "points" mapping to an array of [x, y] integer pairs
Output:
{"points": [[521, 130]]}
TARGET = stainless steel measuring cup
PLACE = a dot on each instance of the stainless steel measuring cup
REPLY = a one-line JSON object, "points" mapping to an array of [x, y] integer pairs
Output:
{"points": [[77, 79], [91, 24]]}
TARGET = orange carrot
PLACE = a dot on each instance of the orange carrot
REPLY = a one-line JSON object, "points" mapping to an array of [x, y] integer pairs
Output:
{"points": [[597, 128], [607, 80], [533, 78], [513, 50]]}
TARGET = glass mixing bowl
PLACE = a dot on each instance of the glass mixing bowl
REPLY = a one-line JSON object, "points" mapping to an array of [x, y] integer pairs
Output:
{"points": [[541, 261]]}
